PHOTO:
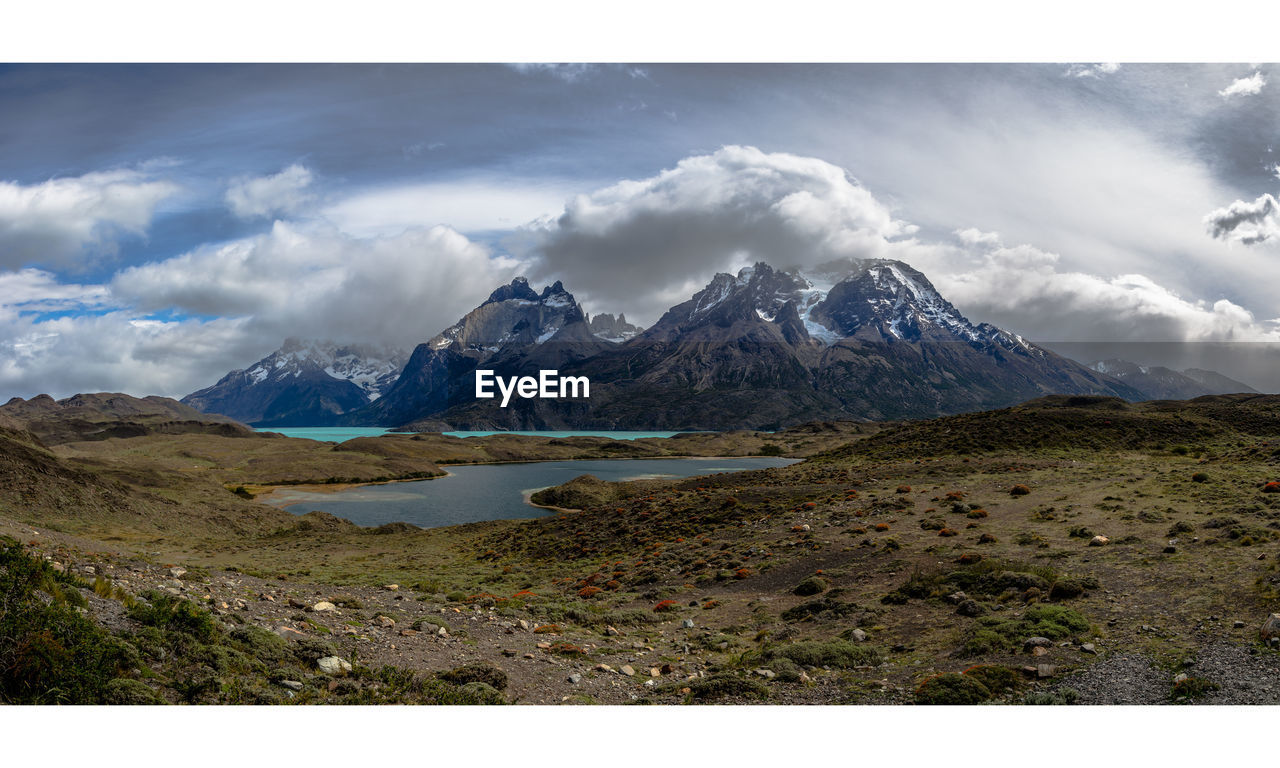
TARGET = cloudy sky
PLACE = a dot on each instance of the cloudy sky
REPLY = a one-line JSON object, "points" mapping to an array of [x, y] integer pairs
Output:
{"points": [[161, 225]]}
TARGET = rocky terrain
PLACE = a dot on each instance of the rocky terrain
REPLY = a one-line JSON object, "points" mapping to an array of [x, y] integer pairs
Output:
{"points": [[1068, 550]]}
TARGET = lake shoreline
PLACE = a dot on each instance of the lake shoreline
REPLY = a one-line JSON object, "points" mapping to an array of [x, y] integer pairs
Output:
{"points": [[330, 488]]}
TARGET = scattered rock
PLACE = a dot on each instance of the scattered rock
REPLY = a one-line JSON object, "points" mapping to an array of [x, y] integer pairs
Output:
{"points": [[1037, 642], [627, 670], [1089, 648], [603, 668], [655, 672], [1238, 624], [1045, 671], [386, 621], [858, 636], [292, 685], [1039, 650], [575, 678], [687, 624], [324, 606], [392, 587], [1098, 541], [767, 674], [610, 631], [956, 598], [177, 573]]}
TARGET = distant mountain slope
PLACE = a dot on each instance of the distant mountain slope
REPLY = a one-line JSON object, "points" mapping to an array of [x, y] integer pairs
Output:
{"points": [[1217, 384], [1160, 383], [111, 414], [304, 383]]}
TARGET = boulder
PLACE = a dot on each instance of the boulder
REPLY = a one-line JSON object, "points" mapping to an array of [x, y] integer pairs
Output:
{"points": [[1271, 628], [333, 665]]}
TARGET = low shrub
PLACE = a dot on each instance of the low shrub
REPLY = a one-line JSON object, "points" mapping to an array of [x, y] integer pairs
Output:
{"points": [[476, 673], [840, 654], [951, 689], [813, 585]]}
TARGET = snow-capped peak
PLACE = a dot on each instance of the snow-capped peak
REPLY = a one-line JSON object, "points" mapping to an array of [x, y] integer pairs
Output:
{"points": [[369, 367]]}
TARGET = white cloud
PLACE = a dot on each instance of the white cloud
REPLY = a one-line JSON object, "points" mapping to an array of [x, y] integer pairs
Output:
{"points": [[471, 205], [570, 73], [283, 193], [1245, 222], [1244, 86], [314, 281], [633, 245], [1022, 288], [35, 290], [61, 220], [974, 236], [114, 352], [1092, 70], [296, 280]]}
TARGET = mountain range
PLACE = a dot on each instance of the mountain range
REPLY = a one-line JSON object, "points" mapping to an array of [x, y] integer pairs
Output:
{"points": [[1160, 383], [304, 383], [761, 349]]}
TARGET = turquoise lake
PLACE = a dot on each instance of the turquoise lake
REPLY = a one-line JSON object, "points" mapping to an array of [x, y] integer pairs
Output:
{"points": [[341, 434], [493, 491]]}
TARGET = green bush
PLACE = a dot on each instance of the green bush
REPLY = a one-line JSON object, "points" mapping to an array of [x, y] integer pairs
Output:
{"points": [[1192, 688], [997, 679], [952, 688], [995, 634], [173, 614], [721, 685], [824, 608], [810, 586], [49, 653], [125, 691], [835, 653], [476, 673]]}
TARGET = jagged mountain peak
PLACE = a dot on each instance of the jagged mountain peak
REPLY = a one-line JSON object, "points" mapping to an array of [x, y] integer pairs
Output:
{"points": [[609, 328], [869, 300], [514, 314], [518, 289]]}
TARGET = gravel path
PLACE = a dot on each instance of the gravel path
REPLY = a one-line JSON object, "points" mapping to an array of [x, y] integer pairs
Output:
{"points": [[1246, 678], [1120, 679]]}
